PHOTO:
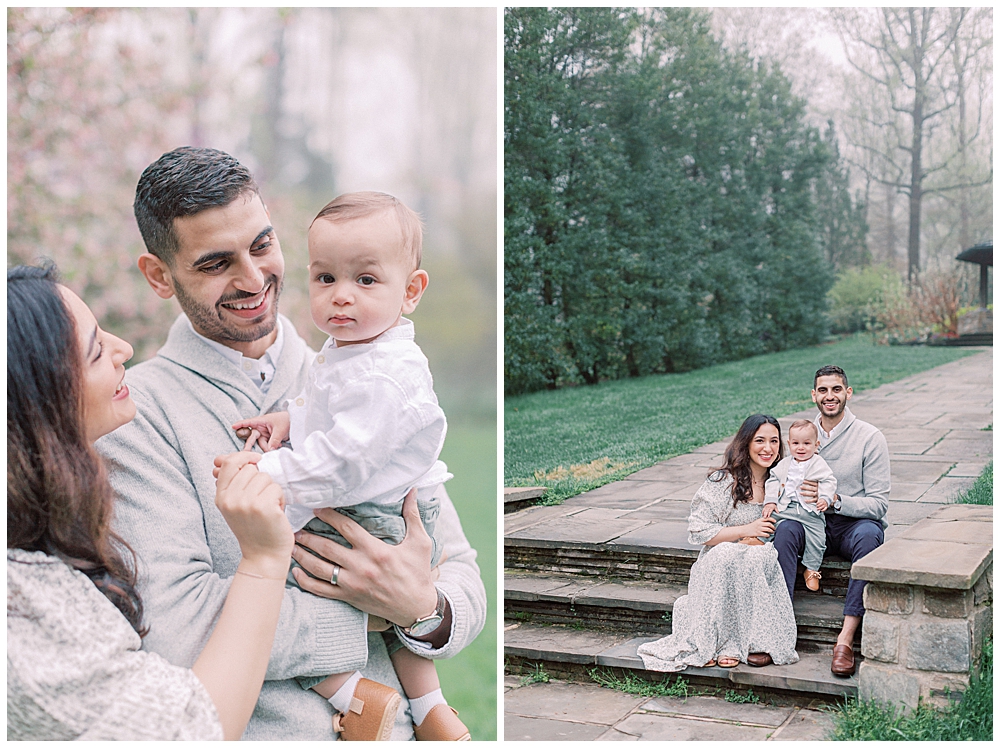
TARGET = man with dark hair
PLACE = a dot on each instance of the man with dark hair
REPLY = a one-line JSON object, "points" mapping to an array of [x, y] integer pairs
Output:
{"points": [[186, 195], [858, 455], [230, 356], [181, 183]]}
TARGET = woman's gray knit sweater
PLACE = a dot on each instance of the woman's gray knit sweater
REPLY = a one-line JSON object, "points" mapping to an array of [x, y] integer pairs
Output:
{"points": [[74, 669]]}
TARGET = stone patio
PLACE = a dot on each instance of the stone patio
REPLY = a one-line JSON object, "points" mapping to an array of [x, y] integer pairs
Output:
{"points": [[581, 711]]}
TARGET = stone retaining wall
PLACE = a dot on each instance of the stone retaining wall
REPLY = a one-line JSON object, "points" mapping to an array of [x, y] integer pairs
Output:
{"points": [[928, 608]]}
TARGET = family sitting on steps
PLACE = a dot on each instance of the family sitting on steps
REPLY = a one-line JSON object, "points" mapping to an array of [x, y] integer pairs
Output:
{"points": [[758, 515]]}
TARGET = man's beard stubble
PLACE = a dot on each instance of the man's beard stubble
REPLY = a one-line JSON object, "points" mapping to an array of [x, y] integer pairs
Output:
{"points": [[210, 323], [840, 409]]}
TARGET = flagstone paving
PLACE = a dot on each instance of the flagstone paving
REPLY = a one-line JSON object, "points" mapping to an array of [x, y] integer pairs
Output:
{"points": [[559, 710]]}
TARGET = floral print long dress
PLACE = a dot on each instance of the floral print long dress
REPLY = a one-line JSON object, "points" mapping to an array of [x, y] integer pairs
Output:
{"points": [[737, 602]]}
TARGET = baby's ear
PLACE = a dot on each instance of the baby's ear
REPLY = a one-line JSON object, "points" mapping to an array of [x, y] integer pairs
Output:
{"points": [[415, 287]]}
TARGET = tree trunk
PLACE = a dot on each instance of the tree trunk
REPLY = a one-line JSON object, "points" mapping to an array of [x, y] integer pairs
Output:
{"points": [[964, 234], [199, 75], [916, 175], [890, 226], [916, 179]]}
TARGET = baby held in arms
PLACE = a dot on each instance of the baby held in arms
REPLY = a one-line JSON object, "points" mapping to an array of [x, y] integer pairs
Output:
{"points": [[783, 500], [366, 430]]}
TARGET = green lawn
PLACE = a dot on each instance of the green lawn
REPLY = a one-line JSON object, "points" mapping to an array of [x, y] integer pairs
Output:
{"points": [[981, 492], [469, 681], [626, 425]]}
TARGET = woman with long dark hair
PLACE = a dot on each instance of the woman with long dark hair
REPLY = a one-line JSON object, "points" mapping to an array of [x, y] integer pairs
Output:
{"points": [[737, 608], [74, 618]]}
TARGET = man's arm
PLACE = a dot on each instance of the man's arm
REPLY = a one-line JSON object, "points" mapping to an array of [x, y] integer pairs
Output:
{"points": [[408, 592], [874, 502], [187, 556], [461, 584]]}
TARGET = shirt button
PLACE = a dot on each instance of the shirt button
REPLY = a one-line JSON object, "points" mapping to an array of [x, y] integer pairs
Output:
{"points": [[246, 365], [300, 402], [321, 359]]}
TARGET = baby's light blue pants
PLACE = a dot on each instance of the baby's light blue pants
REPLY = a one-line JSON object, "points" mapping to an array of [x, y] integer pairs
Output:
{"points": [[383, 521], [815, 526]]}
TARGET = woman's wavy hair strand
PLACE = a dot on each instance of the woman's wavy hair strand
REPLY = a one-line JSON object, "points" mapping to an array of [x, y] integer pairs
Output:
{"points": [[59, 500]]}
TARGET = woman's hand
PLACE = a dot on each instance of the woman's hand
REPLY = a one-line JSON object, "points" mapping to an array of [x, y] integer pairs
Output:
{"points": [[394, 582], [759, 528], [252, 505], [234, 661]]}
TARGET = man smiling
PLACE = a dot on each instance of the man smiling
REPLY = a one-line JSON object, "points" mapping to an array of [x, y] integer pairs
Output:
{"points": [[223, 263], [229, 357], [858, 455]]}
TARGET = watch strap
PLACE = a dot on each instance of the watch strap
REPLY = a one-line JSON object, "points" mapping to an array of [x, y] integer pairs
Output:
{"points": [[437, 614]]}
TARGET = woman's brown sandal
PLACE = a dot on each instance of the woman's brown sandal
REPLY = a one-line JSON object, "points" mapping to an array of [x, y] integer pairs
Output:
{"points": [[728, 662]]}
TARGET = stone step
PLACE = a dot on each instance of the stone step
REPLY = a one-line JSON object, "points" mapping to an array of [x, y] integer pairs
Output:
{"points": [[562, 650], [646, 563], [515, 499], [643, 607]]}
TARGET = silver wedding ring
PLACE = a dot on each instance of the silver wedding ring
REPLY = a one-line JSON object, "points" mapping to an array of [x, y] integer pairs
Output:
{"points": [[335, 574]]}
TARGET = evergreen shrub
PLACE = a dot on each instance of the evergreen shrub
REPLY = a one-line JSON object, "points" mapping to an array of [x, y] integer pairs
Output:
{"points": [[660, 200]]}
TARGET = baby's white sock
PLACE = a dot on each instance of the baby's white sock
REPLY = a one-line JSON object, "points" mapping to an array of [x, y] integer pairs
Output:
{"points": [[341, 700], [421, 707]]}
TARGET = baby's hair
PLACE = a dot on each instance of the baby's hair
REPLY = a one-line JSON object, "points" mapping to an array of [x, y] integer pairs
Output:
{"points": [[801, 424], [353, 205]]}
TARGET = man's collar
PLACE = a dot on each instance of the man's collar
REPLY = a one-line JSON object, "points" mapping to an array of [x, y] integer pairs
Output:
{"points": [[191, 351], [231, 354], [825, 437]]}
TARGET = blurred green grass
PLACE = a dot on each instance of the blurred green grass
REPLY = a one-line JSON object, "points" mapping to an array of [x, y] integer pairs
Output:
{"points": [[981, 492], [970, 718], [469, 680]]}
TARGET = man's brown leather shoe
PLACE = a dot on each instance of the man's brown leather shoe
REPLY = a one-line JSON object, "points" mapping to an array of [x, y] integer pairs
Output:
{"points": [[759, 659], [843, 660]]}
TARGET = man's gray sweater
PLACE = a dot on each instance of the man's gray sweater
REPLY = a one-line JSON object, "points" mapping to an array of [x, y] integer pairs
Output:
{"points": [[859, 458], [188, 396]]}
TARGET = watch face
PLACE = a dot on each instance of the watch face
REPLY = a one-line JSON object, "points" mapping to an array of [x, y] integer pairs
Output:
{"points": [[426, 626]]}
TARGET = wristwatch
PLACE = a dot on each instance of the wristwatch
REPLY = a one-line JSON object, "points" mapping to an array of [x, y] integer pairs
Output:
{"points": [[836, 502], [426, 624]]}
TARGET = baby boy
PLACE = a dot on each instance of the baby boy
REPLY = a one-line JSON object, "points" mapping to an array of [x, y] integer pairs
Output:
{"points": [[366, 429], [782, 498]]}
